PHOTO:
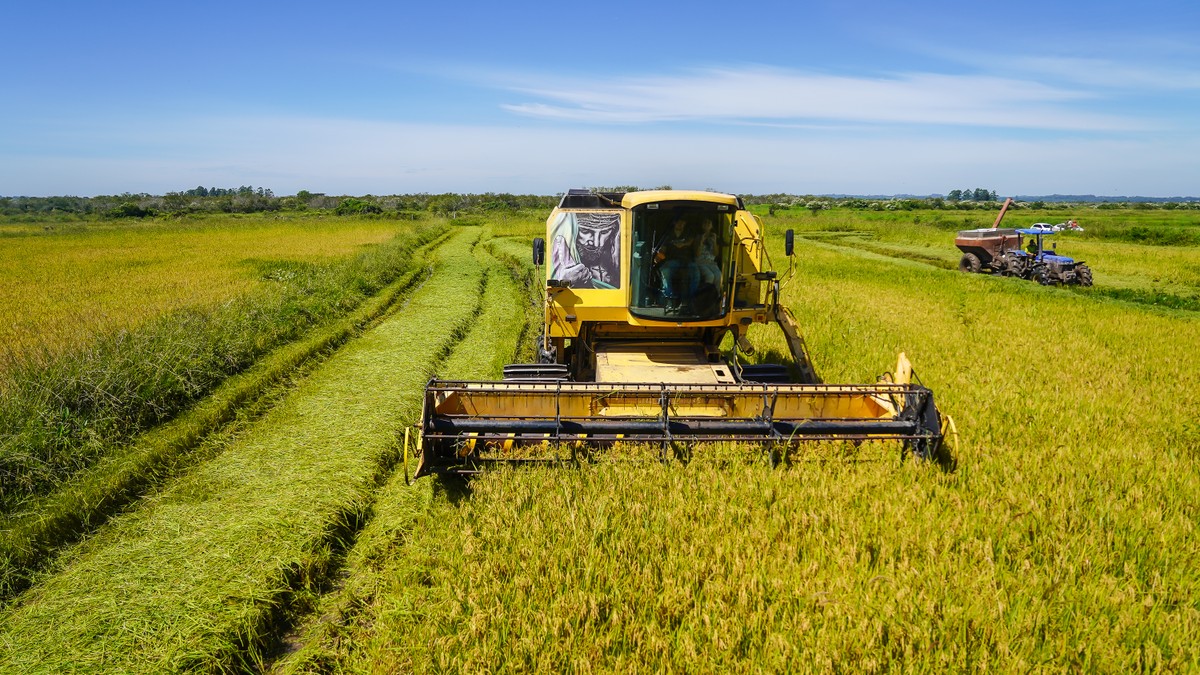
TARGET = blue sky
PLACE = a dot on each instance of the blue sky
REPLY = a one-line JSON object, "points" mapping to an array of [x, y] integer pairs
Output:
{"points": [[817, 97]]}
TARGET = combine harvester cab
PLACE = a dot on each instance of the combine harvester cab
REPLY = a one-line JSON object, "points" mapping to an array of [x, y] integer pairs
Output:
{"points": [[641, 290]]}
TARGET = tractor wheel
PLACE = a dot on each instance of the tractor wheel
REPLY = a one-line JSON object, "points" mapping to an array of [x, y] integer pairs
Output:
{"points": [[1084, 274], [969, 263], [1041, 277]]}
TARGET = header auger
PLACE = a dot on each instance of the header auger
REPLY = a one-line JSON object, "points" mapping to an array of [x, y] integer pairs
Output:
{"points": [[641, 290]]}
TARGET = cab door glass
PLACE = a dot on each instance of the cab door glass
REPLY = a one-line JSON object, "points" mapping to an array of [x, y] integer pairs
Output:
{"points": [[681, 262]]}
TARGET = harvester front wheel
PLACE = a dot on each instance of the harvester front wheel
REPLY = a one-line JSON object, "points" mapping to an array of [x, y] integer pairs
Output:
{"points": [[545, 353], [970, 263]]}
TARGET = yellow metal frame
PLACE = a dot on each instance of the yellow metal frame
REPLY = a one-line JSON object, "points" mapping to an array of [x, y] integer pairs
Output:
{"points": [[567, 309]]}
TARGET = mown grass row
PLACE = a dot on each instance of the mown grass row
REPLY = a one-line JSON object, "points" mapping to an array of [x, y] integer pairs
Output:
{"points": [[61, 416], [1124, 269], [95, 493], [199, 575], [1140, 278], [338, 636], [1064, 541]]}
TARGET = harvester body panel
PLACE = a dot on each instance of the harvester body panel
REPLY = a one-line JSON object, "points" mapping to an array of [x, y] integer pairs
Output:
{"points": [[642, 291]]}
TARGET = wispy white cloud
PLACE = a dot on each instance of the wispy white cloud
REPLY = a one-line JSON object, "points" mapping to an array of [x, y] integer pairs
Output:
{"points": [[759, 93], [1106, 74], [1103, 64], [342, 156]]}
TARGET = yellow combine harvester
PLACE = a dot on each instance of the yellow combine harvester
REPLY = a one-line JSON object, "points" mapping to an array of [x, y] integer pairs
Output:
{"points": [[642, 289]]}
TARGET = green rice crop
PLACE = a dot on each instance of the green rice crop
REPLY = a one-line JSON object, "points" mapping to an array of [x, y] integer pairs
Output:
{"points": [[60, 415], [1064, 541], [197, 576], [62, 287], [92, 495]]}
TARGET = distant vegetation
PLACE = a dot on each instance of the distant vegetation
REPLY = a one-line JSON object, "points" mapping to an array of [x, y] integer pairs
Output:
{"points": [[200, 201], [249, 199]]}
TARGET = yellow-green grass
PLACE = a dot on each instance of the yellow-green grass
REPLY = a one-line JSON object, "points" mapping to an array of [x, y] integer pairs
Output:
{"points": [[60, 415], [826, 568], [60, 288], [197, 576], [85, 501], [1065, 541], [486, 345], [1167, 276]]}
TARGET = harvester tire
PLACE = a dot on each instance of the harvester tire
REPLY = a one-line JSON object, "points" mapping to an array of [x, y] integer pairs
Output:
{"points": [[545, 355], [969, 263], [1084, 274]]}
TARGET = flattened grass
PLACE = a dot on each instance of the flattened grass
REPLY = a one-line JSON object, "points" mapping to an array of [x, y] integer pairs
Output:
{"points": [[487, 343], [197, 576], [59, 416]]}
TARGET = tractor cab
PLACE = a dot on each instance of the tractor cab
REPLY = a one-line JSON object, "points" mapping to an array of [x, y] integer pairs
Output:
{"points": [[1036, 246], [1047, 267]]}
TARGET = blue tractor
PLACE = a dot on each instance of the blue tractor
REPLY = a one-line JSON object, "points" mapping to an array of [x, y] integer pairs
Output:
{"points": [[1047, 267], [1000, 251]]}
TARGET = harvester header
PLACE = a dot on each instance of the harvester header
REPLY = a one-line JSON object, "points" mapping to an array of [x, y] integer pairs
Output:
{"points": [[648, 300]]}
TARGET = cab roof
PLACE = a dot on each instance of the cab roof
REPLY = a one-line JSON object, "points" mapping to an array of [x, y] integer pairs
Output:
{"points": [[579, 198], [633, 199]]}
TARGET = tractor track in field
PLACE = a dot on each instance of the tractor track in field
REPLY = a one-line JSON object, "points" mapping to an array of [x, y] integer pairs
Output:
{"points": [[286, 630], [1148, 298], [74, 512], [54, 624]]}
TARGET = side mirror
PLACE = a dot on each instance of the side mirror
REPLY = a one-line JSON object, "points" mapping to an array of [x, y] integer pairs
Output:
{"points": [[789, 243], [539, 251]]}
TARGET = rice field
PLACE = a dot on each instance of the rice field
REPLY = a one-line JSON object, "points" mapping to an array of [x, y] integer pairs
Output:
{"points": [[1064, 541], [61, 287]]}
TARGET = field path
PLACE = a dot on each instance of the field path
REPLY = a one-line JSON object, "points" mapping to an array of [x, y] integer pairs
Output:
{"points": [[198, 575]]}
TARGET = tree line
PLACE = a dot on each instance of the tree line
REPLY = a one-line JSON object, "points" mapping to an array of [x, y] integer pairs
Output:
{"points": [[249, 199]]}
